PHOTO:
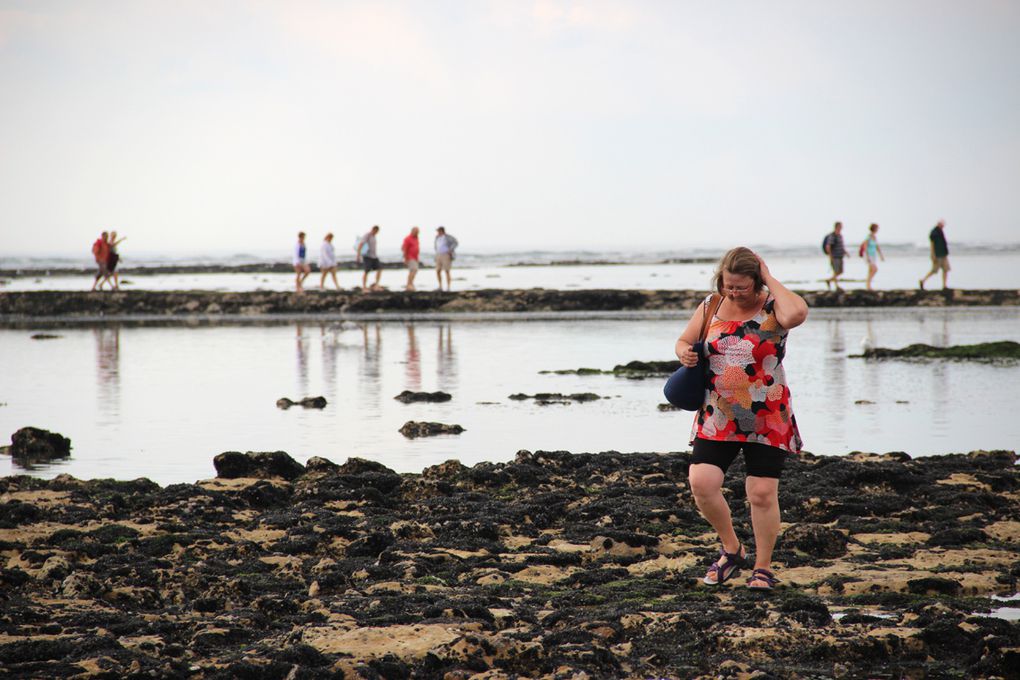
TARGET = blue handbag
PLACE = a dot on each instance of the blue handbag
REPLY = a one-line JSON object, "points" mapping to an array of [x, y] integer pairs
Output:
{"points": [[686, 387]]}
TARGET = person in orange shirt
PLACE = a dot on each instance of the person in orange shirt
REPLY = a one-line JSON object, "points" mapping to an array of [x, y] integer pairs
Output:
{"points": [[411, 249], [101, 252]]}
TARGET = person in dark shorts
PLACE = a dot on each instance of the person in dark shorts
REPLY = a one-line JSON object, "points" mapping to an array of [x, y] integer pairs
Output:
{"points": [[836, 251], [113, 258], [747, 408], [939, 254], [366, 254]]}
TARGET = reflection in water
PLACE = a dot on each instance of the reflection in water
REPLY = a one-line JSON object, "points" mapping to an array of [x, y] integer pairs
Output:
{"points": [[302, 361], [329, 352], [835, 371], [446, 359], [108, 367], [370, 386], [412, 365]]}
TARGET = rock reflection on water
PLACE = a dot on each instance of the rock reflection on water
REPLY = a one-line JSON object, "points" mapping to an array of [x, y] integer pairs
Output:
{"points": [[161, 401]]}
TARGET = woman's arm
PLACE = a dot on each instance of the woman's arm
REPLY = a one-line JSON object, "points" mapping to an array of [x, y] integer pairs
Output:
{"points": [[791, 310], [684, 353]]}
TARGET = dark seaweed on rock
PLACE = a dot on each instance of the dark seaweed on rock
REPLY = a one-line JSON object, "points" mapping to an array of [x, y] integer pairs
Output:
{"points": [[551, 565], [1005, 350]]}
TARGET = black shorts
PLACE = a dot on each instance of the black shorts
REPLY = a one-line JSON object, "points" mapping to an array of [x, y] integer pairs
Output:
{"points": [[761, 460], [371, 263]]}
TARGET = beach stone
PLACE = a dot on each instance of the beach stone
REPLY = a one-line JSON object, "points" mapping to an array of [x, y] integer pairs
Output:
{"points": [[934, 585], [360, 466], [320, 464], [407, 397], [35, 445], [262, 464], [413, 429], [79, 585], [958, 536], [308, 402], [450, 469], [816, 540]]}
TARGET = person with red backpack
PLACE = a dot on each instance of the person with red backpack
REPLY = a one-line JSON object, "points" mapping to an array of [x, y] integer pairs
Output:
{"points": [[101, 252]]}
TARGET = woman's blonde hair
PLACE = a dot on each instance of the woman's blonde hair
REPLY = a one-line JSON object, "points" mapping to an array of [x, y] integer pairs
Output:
{"points": [[741, 261]]}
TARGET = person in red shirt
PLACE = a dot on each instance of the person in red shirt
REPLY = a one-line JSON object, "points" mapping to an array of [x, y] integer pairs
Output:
{"points": [[411, 249], [101, 251]]}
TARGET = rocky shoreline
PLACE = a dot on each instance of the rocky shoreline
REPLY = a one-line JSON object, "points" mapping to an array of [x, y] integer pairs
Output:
{"points": [[555, 565], [254, 304]]}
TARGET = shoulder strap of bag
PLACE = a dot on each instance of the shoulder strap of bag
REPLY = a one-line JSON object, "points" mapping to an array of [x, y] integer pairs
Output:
{"points": [[711, 307]]}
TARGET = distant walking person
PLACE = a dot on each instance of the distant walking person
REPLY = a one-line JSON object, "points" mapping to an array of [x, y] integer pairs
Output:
{"points": [[327, 261], [366, 251], [411, 249], [871, 251], [113, 259], [101, 253], [446, 250], [301, 266], [939, 254], [833, 246]]}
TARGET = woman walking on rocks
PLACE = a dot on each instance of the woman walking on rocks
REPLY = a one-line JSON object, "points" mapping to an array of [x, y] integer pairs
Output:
{"points": [[747, 406]]}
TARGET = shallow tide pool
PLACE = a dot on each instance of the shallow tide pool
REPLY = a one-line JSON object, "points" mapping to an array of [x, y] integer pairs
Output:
{"points": [[162, 401]]}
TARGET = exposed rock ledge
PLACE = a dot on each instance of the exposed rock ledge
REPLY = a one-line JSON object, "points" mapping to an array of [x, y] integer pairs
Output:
{"points": [[15, 305], [554, 565]]}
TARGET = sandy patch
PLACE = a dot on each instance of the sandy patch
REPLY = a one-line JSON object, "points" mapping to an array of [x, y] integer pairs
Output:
{"points": [[963, 479], [660, 563], [1007, 530], [405, 642], [904, 538], [544, 574]]}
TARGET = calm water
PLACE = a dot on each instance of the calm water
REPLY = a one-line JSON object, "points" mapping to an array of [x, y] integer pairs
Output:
{"points": [[160, 402], [804, 272]]}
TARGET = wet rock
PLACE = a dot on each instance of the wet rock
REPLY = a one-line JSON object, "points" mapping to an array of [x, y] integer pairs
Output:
{"points": [[321, 465], [934, 585], [816, 540], [44, 336], [262, 464], [985, 351], [451, 469], [308, 402], [79, 586], [413, 429], [407, 397], [958, 536], [546, 398], [31, 445], [29, 304]]}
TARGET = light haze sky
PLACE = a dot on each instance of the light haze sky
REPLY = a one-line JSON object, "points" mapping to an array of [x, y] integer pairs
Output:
{"points": [[227, 126]]}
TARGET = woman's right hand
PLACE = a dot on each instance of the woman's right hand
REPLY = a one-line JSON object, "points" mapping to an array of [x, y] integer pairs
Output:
{"points": [[689, 357]]}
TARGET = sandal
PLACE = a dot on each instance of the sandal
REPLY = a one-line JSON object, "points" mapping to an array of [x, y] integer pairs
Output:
{"points": [[723, 572], [762, 575]]}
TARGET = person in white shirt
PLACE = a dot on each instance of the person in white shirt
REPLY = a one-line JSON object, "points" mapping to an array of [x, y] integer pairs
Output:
{"points": [[327, 261], [446, 246], [301, 266]]}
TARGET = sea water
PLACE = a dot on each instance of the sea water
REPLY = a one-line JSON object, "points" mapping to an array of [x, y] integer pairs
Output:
{"points": [[799, 268], [160, 401]]}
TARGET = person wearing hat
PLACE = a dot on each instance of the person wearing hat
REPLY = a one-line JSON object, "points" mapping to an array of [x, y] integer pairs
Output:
{"points": [[446, 247]]}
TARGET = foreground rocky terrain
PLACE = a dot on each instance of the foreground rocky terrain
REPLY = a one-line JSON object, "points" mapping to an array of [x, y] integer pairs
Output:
{"points": [[254, 304], [555, 565]]}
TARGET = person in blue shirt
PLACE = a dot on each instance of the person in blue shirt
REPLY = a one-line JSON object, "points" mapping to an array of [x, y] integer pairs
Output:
{"points": [[301, 267]]}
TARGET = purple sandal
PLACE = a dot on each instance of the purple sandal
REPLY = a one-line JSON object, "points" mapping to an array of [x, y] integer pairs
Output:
{"points": [[726, 571], [762, 575]]}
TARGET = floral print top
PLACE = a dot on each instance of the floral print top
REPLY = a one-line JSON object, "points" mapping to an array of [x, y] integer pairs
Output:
{"points": [[747, 398]]}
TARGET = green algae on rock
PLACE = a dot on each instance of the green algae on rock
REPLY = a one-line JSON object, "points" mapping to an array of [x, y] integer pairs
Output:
{"points": [[1003, 350]]}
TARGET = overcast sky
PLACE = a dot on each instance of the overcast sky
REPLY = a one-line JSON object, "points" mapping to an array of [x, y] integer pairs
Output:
{"points": [[226, 126]]}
